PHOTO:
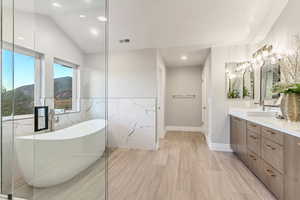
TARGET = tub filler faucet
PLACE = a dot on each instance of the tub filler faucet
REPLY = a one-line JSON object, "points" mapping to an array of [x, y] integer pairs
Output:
{"points": [[52, 120]]}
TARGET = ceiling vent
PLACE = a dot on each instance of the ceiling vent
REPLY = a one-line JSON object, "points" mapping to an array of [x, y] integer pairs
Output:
{"points": [[127, 40]]}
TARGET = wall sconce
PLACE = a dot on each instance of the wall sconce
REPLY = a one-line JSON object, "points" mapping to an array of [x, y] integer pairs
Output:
{"points": [[243, 66], [265, 53]]}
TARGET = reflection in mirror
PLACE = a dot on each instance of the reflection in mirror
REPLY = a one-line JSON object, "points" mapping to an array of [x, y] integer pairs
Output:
{"points": [[248, 83], [234, 81], [240, 80], [270, 76]]}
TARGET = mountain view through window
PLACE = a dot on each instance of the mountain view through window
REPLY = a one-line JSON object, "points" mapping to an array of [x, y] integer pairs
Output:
{"points": [[17, 83], [63, 84]]}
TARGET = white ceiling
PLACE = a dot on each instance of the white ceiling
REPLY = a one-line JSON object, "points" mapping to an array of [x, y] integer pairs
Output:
{"points": [[161, 23], [196, 56], [67, 18], [170, 23]]}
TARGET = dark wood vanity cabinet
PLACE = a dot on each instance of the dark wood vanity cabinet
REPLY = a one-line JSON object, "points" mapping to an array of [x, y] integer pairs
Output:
{"points": [[274, 157], [292, 168], [238, 137], [269, 155]]}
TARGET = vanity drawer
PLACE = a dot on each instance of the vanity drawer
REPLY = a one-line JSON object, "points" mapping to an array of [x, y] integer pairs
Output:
{"points": [[272, 153], [253, 127], [272, 179], [254, 163], [273, 135], [253, 142]]}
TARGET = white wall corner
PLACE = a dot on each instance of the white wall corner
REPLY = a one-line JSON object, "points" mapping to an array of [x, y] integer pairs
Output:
{"points": [[163, 133], [186, 128], [219, 147]]}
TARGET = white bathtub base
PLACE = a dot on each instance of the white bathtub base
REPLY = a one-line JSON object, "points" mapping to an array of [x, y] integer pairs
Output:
{"points": [[53, 158]]}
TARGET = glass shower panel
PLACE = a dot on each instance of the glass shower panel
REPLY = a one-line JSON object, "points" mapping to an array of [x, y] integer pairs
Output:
{"points": [[53, 55], [70, 158], [7, 96]]}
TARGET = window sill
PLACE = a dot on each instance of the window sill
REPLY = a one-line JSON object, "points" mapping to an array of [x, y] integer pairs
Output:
{"points": [[17, 117], [31, 116], [67, 112]]}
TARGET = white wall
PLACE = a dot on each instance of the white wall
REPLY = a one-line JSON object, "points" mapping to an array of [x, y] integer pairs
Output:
{"points": [[41, 34], [93, 76], [161, 96], [287, 26], [132, 91], [184, 112], [133, 73], [206, 71], [218, 104]]}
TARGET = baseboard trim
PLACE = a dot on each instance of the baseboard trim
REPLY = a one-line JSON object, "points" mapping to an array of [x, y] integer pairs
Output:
{"points": [[185, 128], [220, 147], [4, 197]]}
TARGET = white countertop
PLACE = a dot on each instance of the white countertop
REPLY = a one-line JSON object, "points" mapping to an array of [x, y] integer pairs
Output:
{"points": [[291, 128]]}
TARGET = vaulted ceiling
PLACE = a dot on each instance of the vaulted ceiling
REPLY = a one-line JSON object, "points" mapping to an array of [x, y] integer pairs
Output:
{"points": [[160, 23], [169, 23]]}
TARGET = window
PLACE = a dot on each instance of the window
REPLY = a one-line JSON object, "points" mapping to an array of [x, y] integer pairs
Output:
{"points": [[65, 86], [19, 82]]}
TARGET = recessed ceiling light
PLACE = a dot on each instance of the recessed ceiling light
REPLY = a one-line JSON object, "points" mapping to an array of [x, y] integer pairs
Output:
{"points": [[183, 57], [94, 31], [56, 4], [82, 16], [20, 38], [102, 19]]}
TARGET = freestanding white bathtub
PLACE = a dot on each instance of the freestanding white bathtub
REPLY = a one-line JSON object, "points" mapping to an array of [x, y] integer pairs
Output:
{"points": [[52, 158]]}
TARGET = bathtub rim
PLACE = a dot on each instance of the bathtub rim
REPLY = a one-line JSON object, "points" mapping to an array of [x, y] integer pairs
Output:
{"points": [[56, 137]]}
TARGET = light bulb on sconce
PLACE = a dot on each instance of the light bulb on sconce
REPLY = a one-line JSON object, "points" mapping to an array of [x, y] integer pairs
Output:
{"points": [[253, 61], [290, 53], [259, 57], [278, 56], [232, 76], [265, 54], [273, 60]]}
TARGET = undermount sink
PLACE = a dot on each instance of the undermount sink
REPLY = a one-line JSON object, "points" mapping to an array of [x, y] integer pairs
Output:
{"points": [[261, 113]]}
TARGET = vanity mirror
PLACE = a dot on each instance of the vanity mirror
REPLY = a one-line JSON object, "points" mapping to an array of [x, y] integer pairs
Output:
{"points": [[270, 76], [234, 81], [248, 83], [240, 80]]}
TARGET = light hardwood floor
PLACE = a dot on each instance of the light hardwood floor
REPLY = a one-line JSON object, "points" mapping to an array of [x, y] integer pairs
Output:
{"points": [[183, 169], [88, 185]]}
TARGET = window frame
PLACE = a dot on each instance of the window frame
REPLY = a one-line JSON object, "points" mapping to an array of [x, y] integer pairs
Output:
{"points": [[75, 85], [37, 76]]}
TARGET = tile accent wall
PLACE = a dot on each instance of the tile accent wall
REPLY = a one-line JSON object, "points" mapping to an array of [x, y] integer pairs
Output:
{"points": [[132, 123]]}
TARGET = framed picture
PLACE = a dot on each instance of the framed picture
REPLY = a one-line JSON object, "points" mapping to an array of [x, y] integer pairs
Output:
{"points": [[41, 118]]}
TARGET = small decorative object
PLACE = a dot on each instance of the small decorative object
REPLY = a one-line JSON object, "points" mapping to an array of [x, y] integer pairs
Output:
{"points": [[233, 94], [41, 118], [290, 83], [290, 103], [246, 92]]}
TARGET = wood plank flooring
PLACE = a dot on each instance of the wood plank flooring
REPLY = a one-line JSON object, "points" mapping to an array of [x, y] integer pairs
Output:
{"points": [[88, 185], [183, 169]]}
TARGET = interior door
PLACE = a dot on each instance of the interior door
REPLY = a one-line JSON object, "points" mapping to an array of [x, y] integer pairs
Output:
{"points": [[160, 104], [204, 99]]}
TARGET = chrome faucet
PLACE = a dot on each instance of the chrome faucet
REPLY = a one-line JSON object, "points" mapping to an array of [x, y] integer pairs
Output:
{"points": [[270, 106], [264, 106], [52, 120]]}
